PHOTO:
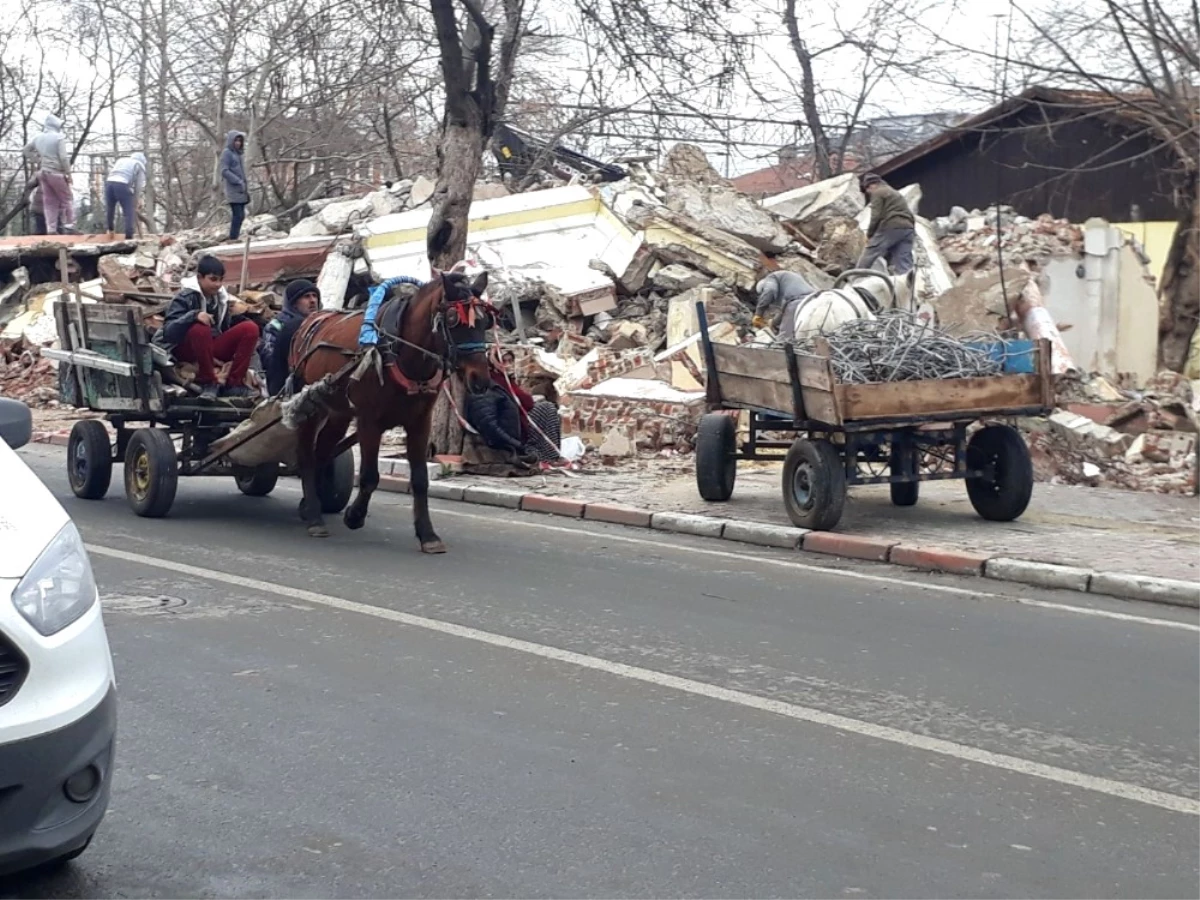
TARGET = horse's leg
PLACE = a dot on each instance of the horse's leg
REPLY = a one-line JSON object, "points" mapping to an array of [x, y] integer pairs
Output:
{"points": [[369, 436], [306, 458], [417, 450]]}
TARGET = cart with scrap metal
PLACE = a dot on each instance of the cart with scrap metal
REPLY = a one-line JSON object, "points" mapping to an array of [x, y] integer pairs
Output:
{"points": [[163, 429], [841, 428]]}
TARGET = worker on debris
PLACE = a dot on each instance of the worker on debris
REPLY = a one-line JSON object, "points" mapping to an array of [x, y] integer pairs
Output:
{"points": [[233, 174], [892, 229], [37, 211], [49, 152], [198, 328], [124, 188], [300, 300], [784, 290]]}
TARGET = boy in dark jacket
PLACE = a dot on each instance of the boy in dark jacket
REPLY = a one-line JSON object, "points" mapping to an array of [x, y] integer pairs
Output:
{"points": [[198, 328], [892, 230], [300, 300], [233, 175]]}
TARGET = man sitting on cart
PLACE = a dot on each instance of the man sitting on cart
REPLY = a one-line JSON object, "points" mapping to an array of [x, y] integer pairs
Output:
{"points": [[199, 328], [301, 298]]}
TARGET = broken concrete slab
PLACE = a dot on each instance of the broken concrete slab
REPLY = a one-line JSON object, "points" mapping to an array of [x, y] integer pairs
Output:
{"points": [[676, 278], [841, 242], [1084, 435], [814, 203], [677, 238], [627, 335], [688, 163], [309, 227], [422, 190], [730, 212], [616, 444]]}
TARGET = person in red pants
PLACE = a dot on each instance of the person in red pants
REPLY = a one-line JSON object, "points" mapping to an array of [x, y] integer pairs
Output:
{"points": [[198, 328]]}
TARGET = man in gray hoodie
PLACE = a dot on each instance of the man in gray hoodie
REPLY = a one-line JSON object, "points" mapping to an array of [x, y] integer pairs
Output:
{"points": [[48, 151], [233, 174]]}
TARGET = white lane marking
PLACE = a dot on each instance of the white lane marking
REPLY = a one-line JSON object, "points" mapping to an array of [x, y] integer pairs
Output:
{"points": [[843, 573], [1119, 789]]}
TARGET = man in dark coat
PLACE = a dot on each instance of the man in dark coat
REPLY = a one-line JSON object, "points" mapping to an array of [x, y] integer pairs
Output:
{"points": [[300, 300], [892, 229], [198, 328], [233, 175]]}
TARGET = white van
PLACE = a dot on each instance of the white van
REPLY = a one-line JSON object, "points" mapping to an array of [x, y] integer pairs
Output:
{"points": [[58, 708]]}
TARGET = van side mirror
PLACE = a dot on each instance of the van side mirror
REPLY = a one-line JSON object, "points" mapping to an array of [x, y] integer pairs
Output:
{"points": [[16, 423]]}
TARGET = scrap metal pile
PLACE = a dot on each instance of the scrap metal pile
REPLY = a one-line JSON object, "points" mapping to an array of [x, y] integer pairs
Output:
{"points": [[901, 346]]}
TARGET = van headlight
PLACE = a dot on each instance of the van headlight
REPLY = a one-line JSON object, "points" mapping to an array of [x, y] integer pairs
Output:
{"points": [[59, 587]]}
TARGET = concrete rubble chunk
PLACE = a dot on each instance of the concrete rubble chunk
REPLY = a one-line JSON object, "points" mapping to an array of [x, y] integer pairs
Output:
{"points": [[676, 278], [626, 335], [422, 190], [729, 211], [309, 227], [814, 203], [1085, 435], [841, 242], [616, 444], [688, 163]]}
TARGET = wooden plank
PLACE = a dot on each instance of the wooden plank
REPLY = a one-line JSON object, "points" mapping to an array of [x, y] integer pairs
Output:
{"points": [[110, 313], [814, 373], [821, 406], [972, 397], [751, 362], [742, 390]]}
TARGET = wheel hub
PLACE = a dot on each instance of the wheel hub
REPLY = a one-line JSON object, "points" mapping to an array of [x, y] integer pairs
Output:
{"points": [[80, 464], [802, 485], [141, 474]]}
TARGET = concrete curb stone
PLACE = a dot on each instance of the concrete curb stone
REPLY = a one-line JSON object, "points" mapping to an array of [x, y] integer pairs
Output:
{"points": [[616, 514], [686, 523], [440, 490], [488, 496], [937, 559], [394, 485], [1039, 574], [764, 535], [849, 545], [1146, 587], [554, 506]]}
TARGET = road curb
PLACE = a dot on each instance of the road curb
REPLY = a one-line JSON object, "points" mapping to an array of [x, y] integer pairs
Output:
{"points": [[1123, 585]]}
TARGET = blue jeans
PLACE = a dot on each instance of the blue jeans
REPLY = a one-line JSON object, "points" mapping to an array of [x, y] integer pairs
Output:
{"points": [[117, 193]]}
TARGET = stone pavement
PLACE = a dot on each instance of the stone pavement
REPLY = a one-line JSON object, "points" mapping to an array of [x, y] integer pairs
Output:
{"points": [[1095, 528]]}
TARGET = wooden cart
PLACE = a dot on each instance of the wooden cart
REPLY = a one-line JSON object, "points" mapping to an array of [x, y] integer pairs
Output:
{"points": [[896, 433], [163, 430]]}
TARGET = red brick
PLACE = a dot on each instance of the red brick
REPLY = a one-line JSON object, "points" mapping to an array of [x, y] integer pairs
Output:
{"points": [[617, 514], [848, 545], [394, 485], [555, 506], [935, 559]]}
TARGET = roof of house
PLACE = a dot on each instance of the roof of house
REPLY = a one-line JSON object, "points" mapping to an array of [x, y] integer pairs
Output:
{"points": [[784, 176], [1074, 100]]}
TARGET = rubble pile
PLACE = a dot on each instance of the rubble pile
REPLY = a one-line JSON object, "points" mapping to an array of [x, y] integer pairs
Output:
{"points": [[25, 376], [968, 240], [1138, 440]]}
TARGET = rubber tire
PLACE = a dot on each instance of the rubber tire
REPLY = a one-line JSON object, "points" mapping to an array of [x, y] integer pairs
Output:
{"points": [[904, 493], [827, 485], [716, 464], [1004, 496], [257, 481], [163, 472], [335, 484], [90, 436]]}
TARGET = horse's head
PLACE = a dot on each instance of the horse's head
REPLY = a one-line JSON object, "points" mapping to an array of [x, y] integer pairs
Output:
{"points": [[466, 318]]}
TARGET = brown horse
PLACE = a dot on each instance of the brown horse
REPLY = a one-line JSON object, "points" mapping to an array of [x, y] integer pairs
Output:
{"points": [[421, 341]]}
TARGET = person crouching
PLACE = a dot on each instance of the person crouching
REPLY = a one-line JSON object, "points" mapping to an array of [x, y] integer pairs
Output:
{"points": [[198, 328]]}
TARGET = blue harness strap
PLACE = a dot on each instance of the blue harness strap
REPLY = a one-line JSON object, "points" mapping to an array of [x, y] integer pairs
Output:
{"points": [[368, 335]]}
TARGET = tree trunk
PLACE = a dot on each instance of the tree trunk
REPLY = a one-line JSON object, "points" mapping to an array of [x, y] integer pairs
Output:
{"points": [[1179, 287], [460, 158]]}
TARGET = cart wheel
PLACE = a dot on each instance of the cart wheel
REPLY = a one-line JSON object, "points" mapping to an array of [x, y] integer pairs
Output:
{"points": [[814, 485], [716, 463], [151, 472], [904, 462], [1002, 493], [335, 484], [257, 481], [89, 460]]}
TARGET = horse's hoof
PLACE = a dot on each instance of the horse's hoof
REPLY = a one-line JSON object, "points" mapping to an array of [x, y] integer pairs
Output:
{"points": [[318, 531], [433, 547], [354, 521]]}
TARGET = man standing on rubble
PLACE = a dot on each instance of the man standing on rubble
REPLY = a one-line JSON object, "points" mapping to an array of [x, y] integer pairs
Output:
{"points": [[48, 151], [199, 328], [124, 188], [784, 290], [892, 230], [233, 174]]}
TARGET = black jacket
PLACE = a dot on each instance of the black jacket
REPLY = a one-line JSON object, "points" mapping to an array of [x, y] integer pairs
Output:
{"points": [[275, 347], [183, 309], [493, 413]]}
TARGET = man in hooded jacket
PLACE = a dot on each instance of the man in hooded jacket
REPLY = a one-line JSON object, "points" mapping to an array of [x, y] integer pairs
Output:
{"points": [[49, 152], [233, 174], [300, 300], [124, 187]]}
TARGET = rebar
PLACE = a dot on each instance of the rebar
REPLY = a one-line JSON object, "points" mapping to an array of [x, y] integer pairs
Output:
{"points": [[898, 345]]}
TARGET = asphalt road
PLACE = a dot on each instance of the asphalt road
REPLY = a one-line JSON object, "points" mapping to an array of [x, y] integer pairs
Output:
{"points": [[560, 709]]}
